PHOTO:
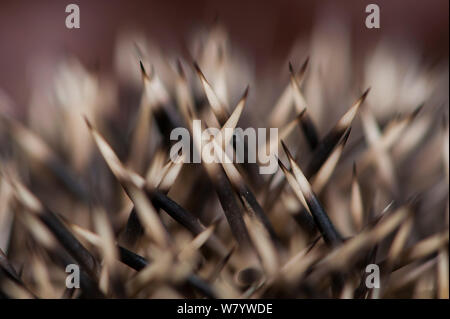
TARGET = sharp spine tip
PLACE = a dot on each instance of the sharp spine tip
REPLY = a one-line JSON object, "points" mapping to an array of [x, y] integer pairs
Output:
{"points": [[300, 115], [417, 110], [88, 123], [305, 65], [197, 69], [282, 166], [144, 72], [364, 95], [286, 150], [244, 96], [346, 135], [291, 69]]}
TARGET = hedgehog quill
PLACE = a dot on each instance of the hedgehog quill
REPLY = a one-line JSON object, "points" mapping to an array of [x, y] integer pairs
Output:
{"points": [[357, 187]]}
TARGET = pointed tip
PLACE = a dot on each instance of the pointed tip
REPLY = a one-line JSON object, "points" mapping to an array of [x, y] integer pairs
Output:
{"points": [[284, 146], [354, 171], [232, 250], [417, 110], [197, 69], [282, 166], [364, 95], [286, 150], [304, 65], [143, 71], [300, 115], [241, 104], [244, 96], [200, 74], [346, 135], [291, 69], [88, 123], [346, 120]]}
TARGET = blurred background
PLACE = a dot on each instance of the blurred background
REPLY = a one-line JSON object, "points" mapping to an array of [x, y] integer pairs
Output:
{"points": [[32, 31]]}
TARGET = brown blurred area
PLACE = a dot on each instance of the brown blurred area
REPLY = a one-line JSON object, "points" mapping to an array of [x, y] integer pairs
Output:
{"points": [[265, 30]]}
